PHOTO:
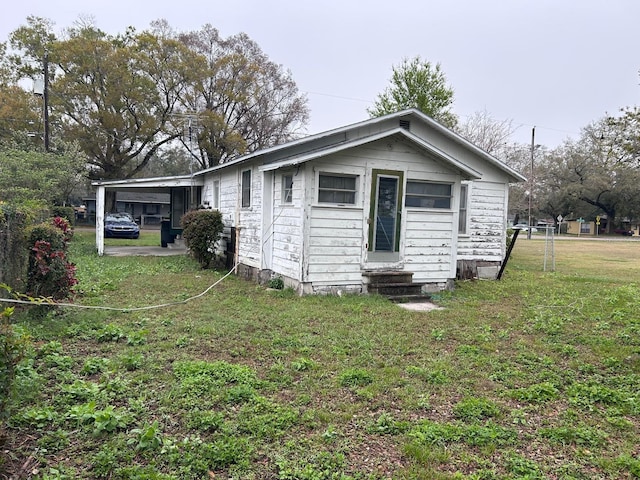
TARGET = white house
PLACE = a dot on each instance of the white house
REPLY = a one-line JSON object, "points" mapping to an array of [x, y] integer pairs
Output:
{"points": [[398, 194]]}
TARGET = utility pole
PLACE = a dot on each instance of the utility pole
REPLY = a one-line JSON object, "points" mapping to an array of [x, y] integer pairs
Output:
{"points": [[45, 96], [533, 135]]}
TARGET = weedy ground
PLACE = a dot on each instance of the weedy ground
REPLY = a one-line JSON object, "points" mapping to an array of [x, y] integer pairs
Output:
{"points": [[536, 376]]}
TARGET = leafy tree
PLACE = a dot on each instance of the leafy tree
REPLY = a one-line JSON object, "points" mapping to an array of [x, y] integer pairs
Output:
{"points": [[243, 102], [30, 43], [126, 98], [21, 112], [36, 176], [598, 173], [113, 95], [554, 188], [416, 83], [116, 96], [20, 117], [173, 160]]}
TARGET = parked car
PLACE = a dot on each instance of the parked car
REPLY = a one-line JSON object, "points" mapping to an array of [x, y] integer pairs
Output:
{"points": [[624, 231], [524, 226], [119, 225]]}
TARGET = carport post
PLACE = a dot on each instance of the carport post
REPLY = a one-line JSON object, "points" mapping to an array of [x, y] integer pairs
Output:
{"points": [[100, 219]]}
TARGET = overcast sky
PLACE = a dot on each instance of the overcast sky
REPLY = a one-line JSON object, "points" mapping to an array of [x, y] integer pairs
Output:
{"points": [[555, 64]]}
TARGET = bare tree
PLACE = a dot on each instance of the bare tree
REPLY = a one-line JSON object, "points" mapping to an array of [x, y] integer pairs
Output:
{"points": [[486, 132]]}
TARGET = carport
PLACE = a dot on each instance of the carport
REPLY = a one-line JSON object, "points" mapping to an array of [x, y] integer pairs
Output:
{"points": [[185, 192]]}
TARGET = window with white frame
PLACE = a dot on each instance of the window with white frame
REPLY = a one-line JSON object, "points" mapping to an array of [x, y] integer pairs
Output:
{"points": [[428, 195], [337, 188], [462, 218], [246, 189], [287, 188]]}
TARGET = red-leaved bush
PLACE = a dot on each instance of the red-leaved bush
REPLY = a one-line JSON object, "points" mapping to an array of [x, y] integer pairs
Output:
{"points": [[50, 273]]}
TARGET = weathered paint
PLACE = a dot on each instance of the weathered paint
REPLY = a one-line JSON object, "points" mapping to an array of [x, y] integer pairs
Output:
{"points": [[324, 247], [485, 238]]}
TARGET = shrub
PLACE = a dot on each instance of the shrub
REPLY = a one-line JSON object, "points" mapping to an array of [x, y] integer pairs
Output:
{"points": [[66, 213], [202, 229], [50, 274]]}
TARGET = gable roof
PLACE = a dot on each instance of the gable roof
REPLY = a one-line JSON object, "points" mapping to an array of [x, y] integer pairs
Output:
{"points": [[438, 154], [331, 140]]}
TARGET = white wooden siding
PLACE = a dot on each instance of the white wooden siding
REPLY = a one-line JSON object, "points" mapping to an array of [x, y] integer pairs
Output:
{"points": [[250, 236], [335, 246], [325, 245], [287, 230], [429, 245], [486, 227]]}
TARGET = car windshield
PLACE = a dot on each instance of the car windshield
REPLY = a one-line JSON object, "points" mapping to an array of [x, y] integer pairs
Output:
{"points": [[114, 219]]}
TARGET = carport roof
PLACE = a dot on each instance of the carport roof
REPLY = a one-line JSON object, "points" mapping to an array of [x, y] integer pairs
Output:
{"points": [[152, 183]]}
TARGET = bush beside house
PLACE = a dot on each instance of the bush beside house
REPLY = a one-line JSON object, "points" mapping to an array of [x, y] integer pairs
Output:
{"points": [[202, 229]]}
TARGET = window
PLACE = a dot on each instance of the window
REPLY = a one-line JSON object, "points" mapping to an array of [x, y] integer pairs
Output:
{"points": [[462, 218], [216, 194], [428, 195], [339, 189], [246, 188], [287, 188], [150, 209]]}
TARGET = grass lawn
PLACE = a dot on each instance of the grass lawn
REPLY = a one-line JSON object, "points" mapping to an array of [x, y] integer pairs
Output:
{"points": [[533, 377]]}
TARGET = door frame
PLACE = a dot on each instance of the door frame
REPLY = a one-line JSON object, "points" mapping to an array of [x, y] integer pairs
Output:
{"points": [[373, 207]]}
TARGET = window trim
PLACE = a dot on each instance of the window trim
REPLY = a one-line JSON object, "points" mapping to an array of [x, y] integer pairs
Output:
{"points": [[429, 182], [245, 188], [286, 194], [216, 194], [356, 179], [463, 226]]}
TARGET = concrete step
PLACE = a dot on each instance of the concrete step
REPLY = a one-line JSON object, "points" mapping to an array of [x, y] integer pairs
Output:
{"points": [[383, 277], [396, 289]]}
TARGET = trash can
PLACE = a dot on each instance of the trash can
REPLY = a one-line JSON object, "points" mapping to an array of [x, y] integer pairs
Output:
{"points": [[165, 233]]}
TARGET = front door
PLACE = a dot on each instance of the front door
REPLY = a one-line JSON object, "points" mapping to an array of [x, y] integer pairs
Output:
{"points": [[385, 215]]}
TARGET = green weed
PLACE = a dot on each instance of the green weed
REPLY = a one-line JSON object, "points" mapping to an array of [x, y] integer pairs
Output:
{"points": [[355, 377], [536, 393], [149, 437], [580, 435], [110, 333], [385, 424], [474, 409], [93, 366], [132, 361]]}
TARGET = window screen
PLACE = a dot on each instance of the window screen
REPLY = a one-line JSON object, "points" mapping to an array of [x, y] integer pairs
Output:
{"points": [[428, 195], [339, 189]]}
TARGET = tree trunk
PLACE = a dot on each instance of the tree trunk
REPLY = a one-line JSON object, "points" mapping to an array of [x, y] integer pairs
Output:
{"points": [[109, 201]]}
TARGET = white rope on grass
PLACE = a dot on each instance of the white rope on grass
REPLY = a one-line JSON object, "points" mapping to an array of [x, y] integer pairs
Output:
{"points": [[116, 309]]}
